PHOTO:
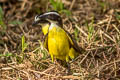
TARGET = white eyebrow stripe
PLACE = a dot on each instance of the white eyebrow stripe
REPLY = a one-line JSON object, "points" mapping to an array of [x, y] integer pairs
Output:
{"points": [[36, 19], [50, 13]]}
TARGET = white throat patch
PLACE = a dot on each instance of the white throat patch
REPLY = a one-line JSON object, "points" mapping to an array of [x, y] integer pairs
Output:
{"points": [[52, 25]]}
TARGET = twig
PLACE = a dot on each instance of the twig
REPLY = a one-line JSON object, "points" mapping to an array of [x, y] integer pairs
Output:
{"points": [[102, 21], [81, 30], [101, 67], [109, 22], [116, 28], [54, 76], [70, 77], [73, 2], [41, 72], [49, 69], [23, 5], [12, 67], [107, 35], [84, 57]]}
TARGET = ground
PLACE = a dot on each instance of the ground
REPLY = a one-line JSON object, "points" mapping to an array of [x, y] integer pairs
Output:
{"points": [[94, 24]]}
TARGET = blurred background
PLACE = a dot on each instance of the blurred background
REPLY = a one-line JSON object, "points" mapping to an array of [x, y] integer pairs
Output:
{"points": [[94, 24]]}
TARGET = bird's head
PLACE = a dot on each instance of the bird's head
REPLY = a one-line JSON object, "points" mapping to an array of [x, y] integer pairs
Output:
{"points": [[48, 18]]}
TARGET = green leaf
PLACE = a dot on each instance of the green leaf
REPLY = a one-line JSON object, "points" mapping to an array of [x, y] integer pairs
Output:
{"points": [[53, 4], [23, 42], [57, 5], [67, 12], [24, 45], [90, 29], [117, 15], [1, 18], [19, 59], [1, 12], [61, 5], [15, 22], [2, 23], [1, 55], [76, 33], [8, 54]]}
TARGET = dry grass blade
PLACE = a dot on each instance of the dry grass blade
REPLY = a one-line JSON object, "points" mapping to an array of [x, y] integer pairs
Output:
{"points": [[73, 2], [116, 28], [107, 35], [82, 31]]}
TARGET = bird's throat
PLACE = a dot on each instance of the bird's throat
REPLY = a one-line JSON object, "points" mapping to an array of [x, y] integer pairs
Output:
{"points": [[52, 26], [45, 28], [48, 27]]}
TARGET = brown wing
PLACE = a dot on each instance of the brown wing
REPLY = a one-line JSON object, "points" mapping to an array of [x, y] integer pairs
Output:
{"points": [[73, 43]]}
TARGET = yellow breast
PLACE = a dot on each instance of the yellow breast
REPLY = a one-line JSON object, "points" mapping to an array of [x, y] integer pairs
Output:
{"points": [[45, 28], [59, 44]]}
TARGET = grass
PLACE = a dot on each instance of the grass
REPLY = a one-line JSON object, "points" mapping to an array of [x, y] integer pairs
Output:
{"points": [[24, 44], [103, 5], [90, 30], [22, 56], [3, 25], [76, 33], [59, 6], [117, 14], [15, 22]]}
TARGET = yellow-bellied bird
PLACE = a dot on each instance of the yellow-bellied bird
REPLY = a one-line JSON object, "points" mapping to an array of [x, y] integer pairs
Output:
{"points": [[58, 41]]}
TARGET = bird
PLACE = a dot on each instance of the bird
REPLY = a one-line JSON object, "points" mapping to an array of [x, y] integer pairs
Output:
{"points": [[57, 41]]}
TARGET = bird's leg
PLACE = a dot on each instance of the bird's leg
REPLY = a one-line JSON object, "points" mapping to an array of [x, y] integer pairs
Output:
{"points": [[52, 58], [65, 65], [68, 71]]}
